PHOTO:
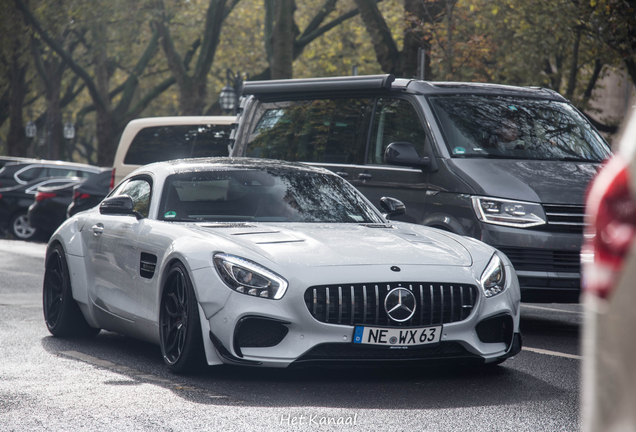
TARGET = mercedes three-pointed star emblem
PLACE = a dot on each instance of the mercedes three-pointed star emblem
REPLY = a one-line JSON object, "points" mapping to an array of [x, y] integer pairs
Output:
{"points": [[400, 304]]}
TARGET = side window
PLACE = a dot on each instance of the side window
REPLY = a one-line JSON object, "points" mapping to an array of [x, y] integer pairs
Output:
{"points": [[395, 121], [325, 131], [61, 172], [161, 143], [31, 174], [139, 191]]}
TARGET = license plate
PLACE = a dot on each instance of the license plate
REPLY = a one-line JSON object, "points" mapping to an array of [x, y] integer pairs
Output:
{"points": [[396, 336]]}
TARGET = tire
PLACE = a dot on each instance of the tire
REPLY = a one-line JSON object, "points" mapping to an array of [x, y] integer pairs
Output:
{"points": [[179, 325], [20, 228], [62, 315]]}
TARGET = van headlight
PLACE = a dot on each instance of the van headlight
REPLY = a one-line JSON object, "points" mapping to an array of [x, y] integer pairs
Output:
{"points": [[493, 279], [510, 213], [247, 277]]}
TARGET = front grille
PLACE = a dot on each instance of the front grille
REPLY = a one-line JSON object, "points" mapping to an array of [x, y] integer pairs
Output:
{"points": [[359, 304], [546, 260], [564, 218]]}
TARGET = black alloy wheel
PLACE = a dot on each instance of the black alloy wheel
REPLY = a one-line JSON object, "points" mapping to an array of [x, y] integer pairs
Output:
{"points": [[61, 313], [179, 325]]}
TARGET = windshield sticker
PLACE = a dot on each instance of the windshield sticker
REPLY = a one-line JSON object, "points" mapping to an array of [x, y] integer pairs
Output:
{"points": [[170, 214], [459, 150], [512, 107]]}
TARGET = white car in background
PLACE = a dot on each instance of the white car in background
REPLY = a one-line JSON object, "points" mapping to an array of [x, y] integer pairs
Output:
{"points": [[268, 263], [156, 139], [609, 270]]}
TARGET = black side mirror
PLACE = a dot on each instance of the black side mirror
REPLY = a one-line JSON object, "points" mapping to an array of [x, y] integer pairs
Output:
{"points": [[404, 154], [392, 207], [119, 205]]}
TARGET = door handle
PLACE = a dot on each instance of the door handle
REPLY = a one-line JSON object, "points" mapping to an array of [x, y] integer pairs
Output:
{"points": [[98, 229], [342, 174], [364, 176]]}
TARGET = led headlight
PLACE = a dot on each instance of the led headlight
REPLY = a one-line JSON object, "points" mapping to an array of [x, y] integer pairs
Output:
{"points": [[507, 212], [249, 278], [493, 279]]}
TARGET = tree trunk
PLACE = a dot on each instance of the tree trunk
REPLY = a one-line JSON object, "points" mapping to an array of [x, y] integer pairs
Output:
{"points": [[574, 65], [16, 139], [386, 50], [104, 126], [283, 37]]}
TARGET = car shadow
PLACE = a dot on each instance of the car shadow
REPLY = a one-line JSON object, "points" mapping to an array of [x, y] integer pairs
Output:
{"points": [[373, 387]]}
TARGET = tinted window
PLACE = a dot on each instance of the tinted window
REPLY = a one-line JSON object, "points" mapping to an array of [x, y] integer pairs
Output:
{"points": [[161, 143], [61, 172], [326, 131], [480, 126], [139, 191], [275, 195], [31, 174], [395, 121]]}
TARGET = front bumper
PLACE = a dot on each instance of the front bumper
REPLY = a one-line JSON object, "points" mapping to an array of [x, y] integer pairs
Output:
{"points": [[547, 263], [307, 340]]}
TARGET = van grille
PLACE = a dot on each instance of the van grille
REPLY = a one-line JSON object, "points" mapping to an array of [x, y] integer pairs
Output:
{"points": [[564, 218], [359, 304]]}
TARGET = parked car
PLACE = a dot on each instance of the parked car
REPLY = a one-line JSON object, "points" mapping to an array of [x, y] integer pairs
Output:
{"points": [[22, 173], [88, 194], [156, 139], [609, 269], [15, 202], [267, 263], [6, 160], [48, 210], [505, 165]]}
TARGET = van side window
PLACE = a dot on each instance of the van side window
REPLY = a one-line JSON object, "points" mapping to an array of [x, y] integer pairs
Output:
{"points": [[160, 143], [395, 121], [326, 131]]}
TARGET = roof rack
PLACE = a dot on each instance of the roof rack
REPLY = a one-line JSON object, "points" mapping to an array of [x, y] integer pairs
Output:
{"points": [[304, 85]]}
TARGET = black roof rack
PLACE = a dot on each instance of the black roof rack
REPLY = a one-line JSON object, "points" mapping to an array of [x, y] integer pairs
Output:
{"points": [[305, 85]]}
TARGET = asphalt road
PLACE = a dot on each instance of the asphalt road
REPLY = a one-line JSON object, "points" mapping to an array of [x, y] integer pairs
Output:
{"points": [[115, 383]]}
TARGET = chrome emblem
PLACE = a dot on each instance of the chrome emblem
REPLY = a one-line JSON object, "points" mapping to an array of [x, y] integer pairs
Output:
{"points": [[400, 304]]}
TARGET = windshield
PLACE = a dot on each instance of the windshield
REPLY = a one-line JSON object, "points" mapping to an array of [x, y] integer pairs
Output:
{"points": [[275, 195], [516, 128]]}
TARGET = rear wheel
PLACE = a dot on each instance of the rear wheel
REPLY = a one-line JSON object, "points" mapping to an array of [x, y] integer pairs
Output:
{"points": [[20, 227], [179, 325], [61, 313]]}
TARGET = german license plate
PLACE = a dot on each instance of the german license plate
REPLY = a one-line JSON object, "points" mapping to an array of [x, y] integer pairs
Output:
{"points": [[396, 336]]}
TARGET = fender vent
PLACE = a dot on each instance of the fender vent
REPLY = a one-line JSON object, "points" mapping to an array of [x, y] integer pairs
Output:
{"points": [[147, 265]]}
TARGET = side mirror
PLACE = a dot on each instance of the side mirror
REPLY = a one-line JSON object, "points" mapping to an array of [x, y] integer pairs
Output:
{"points": [[392, 207], [404, 154], [118, 205]]}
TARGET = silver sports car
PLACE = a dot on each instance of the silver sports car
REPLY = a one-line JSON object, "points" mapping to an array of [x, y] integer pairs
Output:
{"points": [[267, 263]]}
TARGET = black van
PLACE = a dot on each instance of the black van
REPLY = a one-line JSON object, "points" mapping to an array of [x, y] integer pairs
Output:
{"points": [[506, 165]]}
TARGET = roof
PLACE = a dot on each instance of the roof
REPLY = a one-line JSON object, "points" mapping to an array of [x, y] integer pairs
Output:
{"points": [[276, 89]]}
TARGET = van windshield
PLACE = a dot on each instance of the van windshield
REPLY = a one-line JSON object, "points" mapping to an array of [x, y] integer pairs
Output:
{"points": [[516, 128]]}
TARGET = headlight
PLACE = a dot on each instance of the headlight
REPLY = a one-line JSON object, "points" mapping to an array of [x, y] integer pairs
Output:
{"points": [[249, 278], [493, 279], [508, 213]]}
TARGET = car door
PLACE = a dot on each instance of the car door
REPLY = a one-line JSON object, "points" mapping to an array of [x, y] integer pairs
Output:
{"points": [[112, 250], [395, 120]]}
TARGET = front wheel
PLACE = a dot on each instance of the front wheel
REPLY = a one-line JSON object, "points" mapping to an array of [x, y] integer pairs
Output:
{"points": [[62, 315], [179, 325]]}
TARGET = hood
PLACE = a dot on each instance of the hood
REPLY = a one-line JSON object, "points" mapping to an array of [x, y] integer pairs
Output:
{"points": [[316, 245], [549, 182]]}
